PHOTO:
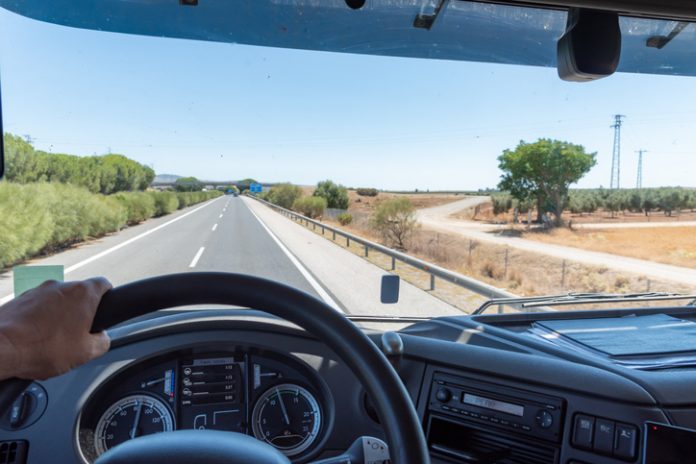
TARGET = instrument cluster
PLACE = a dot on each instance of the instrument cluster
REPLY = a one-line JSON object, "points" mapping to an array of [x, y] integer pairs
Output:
{"points": [[273, 397]]}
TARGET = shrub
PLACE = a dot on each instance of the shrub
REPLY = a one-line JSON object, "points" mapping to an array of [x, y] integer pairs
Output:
{"points": [[43, 216], [284, 195], [165, 202], [367, 192], [344, 218], [139, 205], [336, 195], [396, 220], [312, 207]]}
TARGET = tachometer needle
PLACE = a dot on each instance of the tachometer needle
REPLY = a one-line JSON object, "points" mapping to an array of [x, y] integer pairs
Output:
{"points": [[134, 429], [282, 407]]}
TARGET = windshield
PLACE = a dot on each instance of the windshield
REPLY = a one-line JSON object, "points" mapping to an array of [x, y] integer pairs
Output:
{"points": [[130, 156]]}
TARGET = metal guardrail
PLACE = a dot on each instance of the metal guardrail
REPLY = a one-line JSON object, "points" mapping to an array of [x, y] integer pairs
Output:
{"points": [[434, 270]]}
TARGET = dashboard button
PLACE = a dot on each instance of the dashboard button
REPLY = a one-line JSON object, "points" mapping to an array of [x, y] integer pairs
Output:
{"points": [[583, 431], [474, 415], [626, 441], [604, 436], [526, 428], [544, 419]]}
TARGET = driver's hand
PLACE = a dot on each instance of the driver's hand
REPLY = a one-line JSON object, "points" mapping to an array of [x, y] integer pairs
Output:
{"points": [[45, 331]]}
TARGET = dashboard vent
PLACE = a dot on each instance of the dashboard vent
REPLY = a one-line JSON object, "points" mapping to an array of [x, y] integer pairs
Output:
{"points": [[463, 442], [13, 452]]}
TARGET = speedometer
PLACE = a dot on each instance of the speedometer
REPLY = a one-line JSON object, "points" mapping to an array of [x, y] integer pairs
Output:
{"points": [[130, 417], [287, 417]]}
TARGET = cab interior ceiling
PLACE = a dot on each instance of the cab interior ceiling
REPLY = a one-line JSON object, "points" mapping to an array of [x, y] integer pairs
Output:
{"points": [[579, 37]]}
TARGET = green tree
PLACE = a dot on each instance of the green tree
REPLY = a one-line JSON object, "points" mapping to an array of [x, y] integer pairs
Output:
{"points": [[396, 220], [336, 195], [188, 184], [543, 171]]}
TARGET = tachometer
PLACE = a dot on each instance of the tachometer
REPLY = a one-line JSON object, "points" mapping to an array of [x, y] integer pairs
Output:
{"points": [[287, 417], [130, 417]]}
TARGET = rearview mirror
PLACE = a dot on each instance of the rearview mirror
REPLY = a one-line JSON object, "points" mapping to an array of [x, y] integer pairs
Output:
{"points": [[390, 289], [590, 48]]}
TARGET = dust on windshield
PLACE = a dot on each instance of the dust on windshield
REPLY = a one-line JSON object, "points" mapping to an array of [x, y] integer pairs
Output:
{"points": [[130, 156]]}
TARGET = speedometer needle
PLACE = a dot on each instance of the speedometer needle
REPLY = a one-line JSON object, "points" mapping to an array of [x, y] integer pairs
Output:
{"points": [[134, 429], [282, 407]]}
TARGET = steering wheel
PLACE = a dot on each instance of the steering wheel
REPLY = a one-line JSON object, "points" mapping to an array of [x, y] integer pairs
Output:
{"points": [[405, 437]]}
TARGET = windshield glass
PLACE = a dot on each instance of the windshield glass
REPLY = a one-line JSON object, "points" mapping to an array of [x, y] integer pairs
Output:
{"points": [[131, 156]]}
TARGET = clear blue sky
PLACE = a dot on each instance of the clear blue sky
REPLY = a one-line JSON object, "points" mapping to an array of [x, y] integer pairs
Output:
{"points": [[222, 111]]}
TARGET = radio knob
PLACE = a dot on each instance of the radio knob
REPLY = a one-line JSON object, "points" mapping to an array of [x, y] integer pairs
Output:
{"points": [[443, 395], [544, 419]]}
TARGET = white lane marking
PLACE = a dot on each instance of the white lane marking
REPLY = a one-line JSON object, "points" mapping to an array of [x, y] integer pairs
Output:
{"points": [[214, 227], [76, 266], [221, 215], [197, 257], [300, 267]]}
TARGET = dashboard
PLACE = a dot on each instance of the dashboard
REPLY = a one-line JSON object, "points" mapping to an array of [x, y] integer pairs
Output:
{"points": [[484, 391]]}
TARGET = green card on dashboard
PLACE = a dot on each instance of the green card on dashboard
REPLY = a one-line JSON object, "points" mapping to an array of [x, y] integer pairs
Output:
{"points": [[28, 277]]}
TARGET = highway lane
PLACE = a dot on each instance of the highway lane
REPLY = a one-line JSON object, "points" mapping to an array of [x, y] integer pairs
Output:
{"points": [[235, 234], [239, 243]]}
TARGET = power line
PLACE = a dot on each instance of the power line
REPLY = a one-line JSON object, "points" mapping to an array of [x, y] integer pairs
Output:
{"points": [[616, 153], [639, 178]]}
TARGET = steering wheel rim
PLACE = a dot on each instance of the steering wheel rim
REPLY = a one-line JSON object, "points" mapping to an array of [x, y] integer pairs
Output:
{"points": [[397, 413]]}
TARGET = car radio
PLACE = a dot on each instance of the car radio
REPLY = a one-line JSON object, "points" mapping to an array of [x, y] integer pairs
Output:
{"points": [[515, 410]]}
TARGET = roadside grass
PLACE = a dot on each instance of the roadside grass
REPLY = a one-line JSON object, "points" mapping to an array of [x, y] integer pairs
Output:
{"points": [[668, 245]]}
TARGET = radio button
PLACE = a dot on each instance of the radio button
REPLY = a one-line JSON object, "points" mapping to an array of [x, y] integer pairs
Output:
{"points": [[495, 420], [583, 431], [443, 394], [526, 428], [474, 415], [504, 422]]}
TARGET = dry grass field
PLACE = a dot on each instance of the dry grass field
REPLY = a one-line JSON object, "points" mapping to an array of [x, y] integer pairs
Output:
{"points": [[669, 245]]}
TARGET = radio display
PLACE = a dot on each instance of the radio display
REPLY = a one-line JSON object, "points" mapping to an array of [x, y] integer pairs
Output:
{"points": [[495, 405]]}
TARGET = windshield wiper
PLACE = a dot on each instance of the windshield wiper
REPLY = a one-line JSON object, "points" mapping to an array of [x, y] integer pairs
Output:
{"points": [[539, 302]]}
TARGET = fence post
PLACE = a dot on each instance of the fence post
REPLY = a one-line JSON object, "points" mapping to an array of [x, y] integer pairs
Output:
{"points": [[563, 275], [471, 248], [334, 235], [432, 282], [347, 241], [648, 287], [322, 230], [507, 259], [393, 264]]}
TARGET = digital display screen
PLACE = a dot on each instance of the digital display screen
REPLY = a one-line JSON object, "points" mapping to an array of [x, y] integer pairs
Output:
{"points": [[495, 405], [665, 444]]}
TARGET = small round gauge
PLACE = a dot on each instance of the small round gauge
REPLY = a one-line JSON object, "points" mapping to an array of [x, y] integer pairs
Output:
{"points": [[130, 417], [287, 417]]}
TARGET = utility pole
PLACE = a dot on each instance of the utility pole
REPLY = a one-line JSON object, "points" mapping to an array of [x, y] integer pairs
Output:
{"points": [[639, 179], [616, 153]]}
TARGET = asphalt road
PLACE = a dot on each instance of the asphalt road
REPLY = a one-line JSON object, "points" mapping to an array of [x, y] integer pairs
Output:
{"points": [[236, 234]]}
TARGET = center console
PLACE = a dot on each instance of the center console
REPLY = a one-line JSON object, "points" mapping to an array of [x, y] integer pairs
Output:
{"points": [[474, 421]]}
